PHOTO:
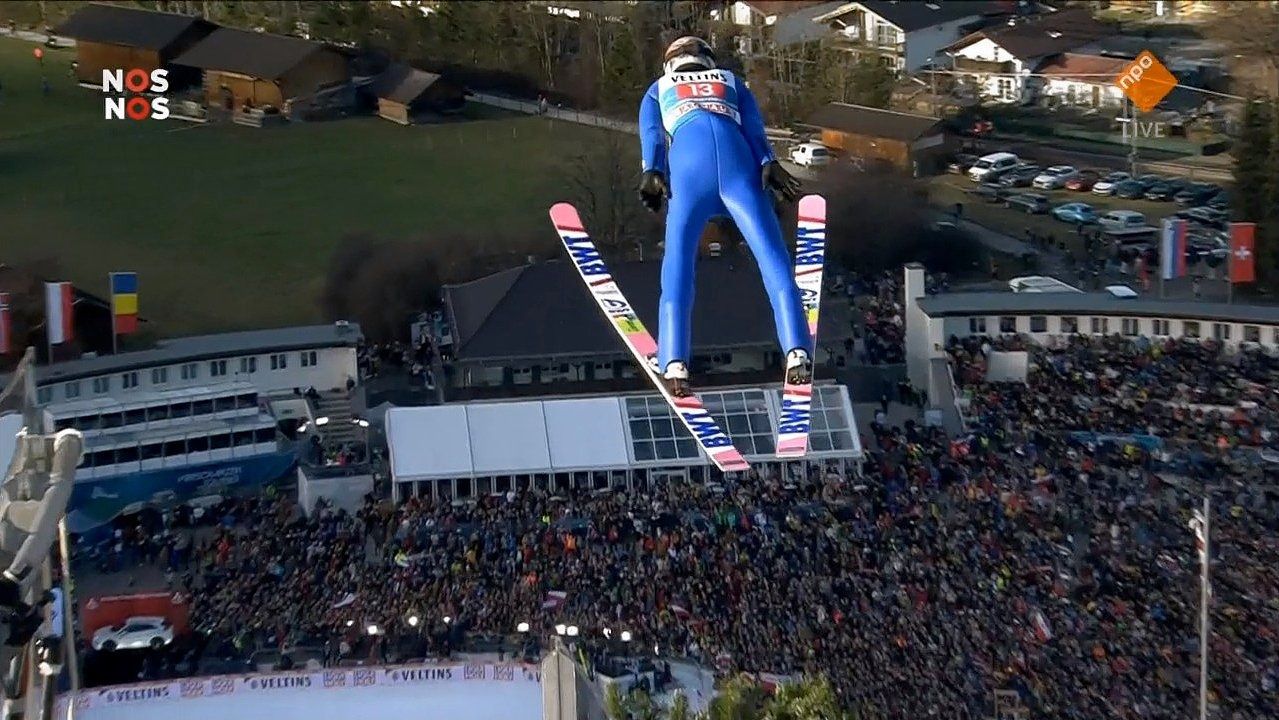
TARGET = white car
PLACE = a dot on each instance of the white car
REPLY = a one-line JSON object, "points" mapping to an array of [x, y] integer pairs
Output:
{"points": [[1106, 185], [992, 166], [136, 633], [1054, 177], [810, 154]]}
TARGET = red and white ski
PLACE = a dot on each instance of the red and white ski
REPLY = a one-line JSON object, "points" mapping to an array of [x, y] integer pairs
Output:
{"points": [[796, 419], [713, 441]]}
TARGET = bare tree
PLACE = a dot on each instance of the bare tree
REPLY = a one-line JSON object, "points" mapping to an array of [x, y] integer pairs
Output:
{"points": [[602, 181]]}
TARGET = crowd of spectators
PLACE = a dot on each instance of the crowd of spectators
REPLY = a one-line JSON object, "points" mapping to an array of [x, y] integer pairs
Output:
{"points": [[1019, 557]]}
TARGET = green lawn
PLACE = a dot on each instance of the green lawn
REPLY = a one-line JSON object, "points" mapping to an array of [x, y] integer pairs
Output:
{"points": [[232, 227]]}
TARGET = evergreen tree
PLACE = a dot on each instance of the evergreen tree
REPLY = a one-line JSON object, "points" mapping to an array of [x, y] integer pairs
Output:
{"points": [[1252, 153], [623, 80], [1267, 238]]}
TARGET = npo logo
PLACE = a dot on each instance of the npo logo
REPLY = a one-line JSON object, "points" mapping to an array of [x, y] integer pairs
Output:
{"points": [[1146, 81], [135, 106]]}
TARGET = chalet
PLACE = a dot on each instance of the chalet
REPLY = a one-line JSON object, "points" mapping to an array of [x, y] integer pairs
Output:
{"points": [[760, 25], [908, 142], [255, 70], [110, 37], [998, 61], [1082, 80], [906, 36], [405, 94]]}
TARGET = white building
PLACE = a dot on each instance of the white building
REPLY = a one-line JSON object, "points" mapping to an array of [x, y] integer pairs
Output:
{"points": [[275, 362], [619, 441], [905, 36], [781, 23], [1082, 80]]}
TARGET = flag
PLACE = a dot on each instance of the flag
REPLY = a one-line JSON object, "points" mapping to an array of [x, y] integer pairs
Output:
{"points": [[1042, 629], [58, 312], [1243, 256], [124, 302], [1199, 525], [1172, 251], [347, 599], [554, 599], [6, 325]]}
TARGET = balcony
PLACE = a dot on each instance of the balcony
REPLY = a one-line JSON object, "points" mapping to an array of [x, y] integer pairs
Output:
{"points": [[969, 65]]}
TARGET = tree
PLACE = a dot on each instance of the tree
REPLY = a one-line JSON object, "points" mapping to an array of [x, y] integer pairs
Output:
{"points": [[1268, 222], [602, 181], [739, 699], [1252, 153], [806, 699], [623, 79]]}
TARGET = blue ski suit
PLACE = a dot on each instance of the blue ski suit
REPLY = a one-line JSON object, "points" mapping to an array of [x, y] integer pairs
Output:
{"points": [[714, 167]]}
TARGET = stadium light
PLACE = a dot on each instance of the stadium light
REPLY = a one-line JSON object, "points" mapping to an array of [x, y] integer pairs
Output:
{"points": [[626, 636], [373, 629], [360, 421], [413, 621], [572, 631], [561, 629], [349, 623], [447, 619], [321, 421], [522, 627]]}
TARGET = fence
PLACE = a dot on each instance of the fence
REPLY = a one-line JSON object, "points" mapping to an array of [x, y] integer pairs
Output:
{"points": [[557, 113]]}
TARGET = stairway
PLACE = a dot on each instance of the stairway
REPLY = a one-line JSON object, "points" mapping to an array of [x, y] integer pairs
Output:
{"points": [[336, 406]]}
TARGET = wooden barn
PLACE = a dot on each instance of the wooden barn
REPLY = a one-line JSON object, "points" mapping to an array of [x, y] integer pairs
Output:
{"points": [[405, 94], [256, 70], [871, 136], [110, 37]]}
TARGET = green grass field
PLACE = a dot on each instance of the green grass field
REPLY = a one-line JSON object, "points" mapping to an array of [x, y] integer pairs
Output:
{"points": [[232, 227]]}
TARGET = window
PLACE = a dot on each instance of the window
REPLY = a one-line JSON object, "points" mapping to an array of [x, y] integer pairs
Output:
{"points": [[136, 416], [247, 400], [157, 412], [126, 454], [279, 361], [152, 451], [1274, 336], [308, 358], [264, 435], [1069, 325], [1130, 326], [220, 441], [1038, 323], [1007, 324], [72, 389], [1221, 331], [1161, 327], [1190, 329], [198, 443], [202, 407], [248, 365], [1251, 333], [224, 404], [159, 376], [175, 448], [44, 395], [977, 326], [242, 438], [1100, 326], [217, 368], [190, 371], [180, 410], [101, 385], [129, 380]]}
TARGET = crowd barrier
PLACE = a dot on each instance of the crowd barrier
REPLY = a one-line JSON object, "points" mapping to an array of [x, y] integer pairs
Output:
{"points": [[297, 682]]}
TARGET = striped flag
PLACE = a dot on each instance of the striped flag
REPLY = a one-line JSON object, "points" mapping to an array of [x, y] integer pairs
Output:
{"points": [[6, 325], [124, 302], [59, 312], [1199, 526], [1172, 251]]}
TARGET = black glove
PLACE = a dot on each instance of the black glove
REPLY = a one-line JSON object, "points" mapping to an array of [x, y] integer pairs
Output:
{"points": [[10, 593], [653, 190], [780, 182]]}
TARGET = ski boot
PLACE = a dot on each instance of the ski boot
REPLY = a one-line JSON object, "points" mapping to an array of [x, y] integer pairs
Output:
{"points": [[676, 378], [799, 367]]}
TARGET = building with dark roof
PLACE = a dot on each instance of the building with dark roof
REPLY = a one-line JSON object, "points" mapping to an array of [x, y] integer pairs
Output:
{"points": [[110, 37], [913, 143], [907, 36], [243, 68], [405, 93], [537, 326]]}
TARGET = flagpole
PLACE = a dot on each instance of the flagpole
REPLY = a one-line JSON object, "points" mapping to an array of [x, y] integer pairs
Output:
{"points": [[115, 337], [1205, 561]]}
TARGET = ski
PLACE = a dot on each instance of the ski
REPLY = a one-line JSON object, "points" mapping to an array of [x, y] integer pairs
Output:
{"points": [[590, 266], [810, 259]]}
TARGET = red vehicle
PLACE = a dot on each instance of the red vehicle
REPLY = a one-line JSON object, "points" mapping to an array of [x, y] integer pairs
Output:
{"points": [[1084, 181]]}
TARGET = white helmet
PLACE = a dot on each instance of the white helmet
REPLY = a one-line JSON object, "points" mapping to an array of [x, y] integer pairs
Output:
{"points": [[688, 50]]}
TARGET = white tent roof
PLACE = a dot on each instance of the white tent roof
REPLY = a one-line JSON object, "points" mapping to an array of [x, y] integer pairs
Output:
{"points": [[596, 433]]}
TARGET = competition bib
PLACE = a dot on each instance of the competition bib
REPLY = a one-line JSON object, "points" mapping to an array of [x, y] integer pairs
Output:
{"points": [[680, 94]]}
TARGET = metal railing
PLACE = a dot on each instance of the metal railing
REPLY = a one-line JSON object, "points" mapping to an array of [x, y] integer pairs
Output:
{"points": [[555, 112]]}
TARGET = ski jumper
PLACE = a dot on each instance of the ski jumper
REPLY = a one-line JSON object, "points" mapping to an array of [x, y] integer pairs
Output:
{"points": [[713, 164]]}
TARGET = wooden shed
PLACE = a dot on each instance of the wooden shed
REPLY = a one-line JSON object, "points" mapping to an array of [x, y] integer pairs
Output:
{"points": [[110, 37], [405, 94], [258, 69], [909, 142]]}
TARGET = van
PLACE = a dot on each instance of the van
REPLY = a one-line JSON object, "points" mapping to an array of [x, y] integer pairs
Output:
{"points": [[991, 166], [810, 154], [1122, 220]]}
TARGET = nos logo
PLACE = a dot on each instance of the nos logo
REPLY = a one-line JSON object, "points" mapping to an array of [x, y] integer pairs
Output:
{"points": [[135, 106]]}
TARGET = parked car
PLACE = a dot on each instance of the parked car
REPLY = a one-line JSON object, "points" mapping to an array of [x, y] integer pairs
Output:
{"points": [[1135, 188], [1166, 190], [1083, 181], [1106, 185], [810, 154], [1196, 194], [135, 633], [1075, 213], [1020, 176], [1220, 201], [1205, 217], [991, 192], [961, 163], [1122, 220], [993, 164], [1030, 203], [1054, 177]]}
